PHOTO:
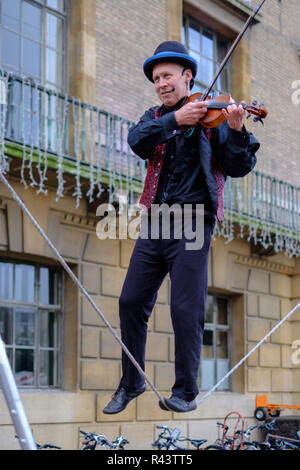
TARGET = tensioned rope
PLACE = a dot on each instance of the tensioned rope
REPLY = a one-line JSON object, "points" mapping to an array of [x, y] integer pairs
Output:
{"points": [[90, 299]]}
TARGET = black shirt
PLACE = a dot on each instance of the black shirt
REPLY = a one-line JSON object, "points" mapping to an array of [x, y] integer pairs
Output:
{"points": [[181, 179]]}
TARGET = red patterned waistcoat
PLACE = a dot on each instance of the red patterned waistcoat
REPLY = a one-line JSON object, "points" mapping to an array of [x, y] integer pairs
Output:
{"points": [[155, 162]]}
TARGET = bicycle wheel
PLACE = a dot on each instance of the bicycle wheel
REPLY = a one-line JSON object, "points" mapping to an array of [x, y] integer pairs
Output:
{"points": [[213, 447], [247, 446]]}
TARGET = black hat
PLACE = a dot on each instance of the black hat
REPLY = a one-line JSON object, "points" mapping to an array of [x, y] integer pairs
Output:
{"points": [[170, 51]]}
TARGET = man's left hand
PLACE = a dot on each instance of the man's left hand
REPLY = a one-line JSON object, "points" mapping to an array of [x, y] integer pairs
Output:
{"points": [[235, 116]]}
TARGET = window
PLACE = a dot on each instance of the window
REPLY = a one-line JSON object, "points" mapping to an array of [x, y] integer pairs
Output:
{"points": [[33, 36], [30, 319], [215, 357], [209, 49]]}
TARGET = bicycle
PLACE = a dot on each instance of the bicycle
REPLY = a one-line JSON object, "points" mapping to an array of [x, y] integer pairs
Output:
{"points": [[271, 442], [229, 442], [44, 446], [92, 440], [237, 441], [169, 441], [283, 443], [255, 445], [47, 446]]}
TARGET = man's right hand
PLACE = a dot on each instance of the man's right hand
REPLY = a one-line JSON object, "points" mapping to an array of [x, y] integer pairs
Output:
{"points": [[191, 113]]}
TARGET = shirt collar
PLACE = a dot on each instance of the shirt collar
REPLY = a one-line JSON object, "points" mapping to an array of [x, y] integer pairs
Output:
{"points": [[168, 109]]}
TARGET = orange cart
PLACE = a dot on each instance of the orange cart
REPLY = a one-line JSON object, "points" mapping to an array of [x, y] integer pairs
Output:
{"points": [[263, 408]]}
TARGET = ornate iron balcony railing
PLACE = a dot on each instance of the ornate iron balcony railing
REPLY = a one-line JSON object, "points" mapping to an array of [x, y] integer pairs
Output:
{"points": [[57, 131], [46, 129]]}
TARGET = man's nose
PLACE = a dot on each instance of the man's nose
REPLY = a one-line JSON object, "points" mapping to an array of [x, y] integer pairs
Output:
{"points": [[163, 82]]}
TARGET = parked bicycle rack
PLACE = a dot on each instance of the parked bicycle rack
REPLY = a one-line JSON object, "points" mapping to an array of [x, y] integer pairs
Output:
{"points": [[14, 404], [237, 437]]}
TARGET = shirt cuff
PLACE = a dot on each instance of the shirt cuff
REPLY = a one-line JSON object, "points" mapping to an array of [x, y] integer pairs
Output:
{"points": [[169, 124], [240, 138]]}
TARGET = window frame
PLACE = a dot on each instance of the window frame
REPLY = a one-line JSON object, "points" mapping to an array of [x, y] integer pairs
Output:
{"points": [[189, 21], [38, 308]]}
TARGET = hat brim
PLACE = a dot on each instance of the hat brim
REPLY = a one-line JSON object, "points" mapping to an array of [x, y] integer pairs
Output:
{"points": [[182, 59]]}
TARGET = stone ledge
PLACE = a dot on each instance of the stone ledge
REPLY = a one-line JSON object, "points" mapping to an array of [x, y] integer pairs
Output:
{"points": [[52, 407], [263, 264]]}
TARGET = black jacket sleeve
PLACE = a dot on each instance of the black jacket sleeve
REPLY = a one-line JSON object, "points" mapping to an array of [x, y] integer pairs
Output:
{"points": [[234, 150], [150, 131]]}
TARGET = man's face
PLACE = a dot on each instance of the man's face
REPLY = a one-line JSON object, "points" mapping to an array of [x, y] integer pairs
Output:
{"points": [[166, 77]]}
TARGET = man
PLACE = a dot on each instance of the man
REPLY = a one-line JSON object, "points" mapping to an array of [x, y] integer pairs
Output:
{"points": [[182, 170]]}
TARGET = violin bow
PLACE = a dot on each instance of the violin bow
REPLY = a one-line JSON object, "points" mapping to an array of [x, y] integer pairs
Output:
{"points": [[232, 48]]}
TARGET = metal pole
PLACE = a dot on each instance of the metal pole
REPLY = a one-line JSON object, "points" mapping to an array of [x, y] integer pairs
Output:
{"points": [[14, 404]]}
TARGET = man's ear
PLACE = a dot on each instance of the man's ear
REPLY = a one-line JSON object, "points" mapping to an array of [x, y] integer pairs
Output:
{"points": [[188, 75]]}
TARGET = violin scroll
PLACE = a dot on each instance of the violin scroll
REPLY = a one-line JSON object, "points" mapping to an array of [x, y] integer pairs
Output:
{"points": [[260, 112]]}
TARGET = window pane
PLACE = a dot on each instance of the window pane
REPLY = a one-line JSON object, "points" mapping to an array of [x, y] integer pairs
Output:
{"points": [[48, 368], [24, 335], [24, 283], [207, 45], [54, 67], [9, 353], [209, 309], [48, 330], [223, 82], [15, 93], [31, 19], [198, 59], [56, 4], [222, 369], [207, 373], [6, 324], [206, 70], [44, 286], [208, 346], [6, 281], [222, 311], [183, 39], [10, 48], [222, 344], [54, 32], [31, 57], [222, 49], [24, 371], [198, 88], [11, 14], [194, 39]]}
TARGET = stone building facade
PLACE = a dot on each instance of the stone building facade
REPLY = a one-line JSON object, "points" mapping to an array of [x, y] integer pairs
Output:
{"points": [[108, 40]]}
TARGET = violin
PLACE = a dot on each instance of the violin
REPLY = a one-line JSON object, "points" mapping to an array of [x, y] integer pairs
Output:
{"points": [[214, 115]]}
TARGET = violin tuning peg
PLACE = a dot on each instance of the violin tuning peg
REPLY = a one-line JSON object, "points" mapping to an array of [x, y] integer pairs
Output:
{"points": [[248, 115], [254, 103], [261, 105], [258, 118]]}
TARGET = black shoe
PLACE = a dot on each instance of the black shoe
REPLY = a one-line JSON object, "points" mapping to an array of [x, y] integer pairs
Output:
{"points": [[120, 400], [178, 404]]}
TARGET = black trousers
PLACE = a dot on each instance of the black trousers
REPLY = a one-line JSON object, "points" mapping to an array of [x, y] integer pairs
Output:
{"points": [[150, 262]]}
